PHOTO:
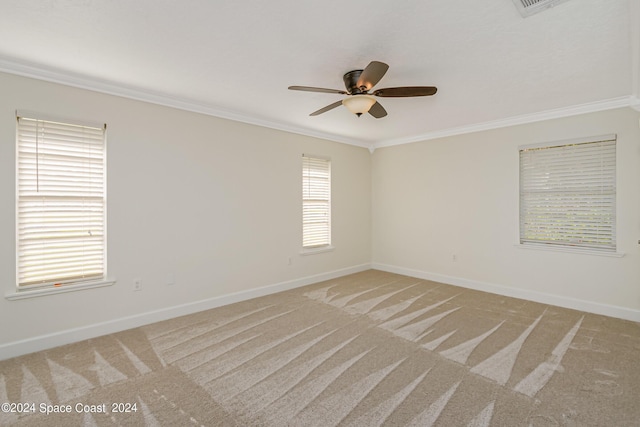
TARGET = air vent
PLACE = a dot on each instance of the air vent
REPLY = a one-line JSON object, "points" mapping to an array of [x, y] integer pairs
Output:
{"points": [[530, 7]]}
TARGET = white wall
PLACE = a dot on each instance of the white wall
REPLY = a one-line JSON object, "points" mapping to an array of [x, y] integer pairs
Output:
{"points": [[459, 195], [216, 205], [212, 202]]}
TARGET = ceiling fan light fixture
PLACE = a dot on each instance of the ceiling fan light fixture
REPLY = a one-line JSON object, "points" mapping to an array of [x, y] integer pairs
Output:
{"points": [[359, 104]]}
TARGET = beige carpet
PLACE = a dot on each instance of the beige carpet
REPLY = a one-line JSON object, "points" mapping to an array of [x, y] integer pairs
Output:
{"points": [[367, 349]]}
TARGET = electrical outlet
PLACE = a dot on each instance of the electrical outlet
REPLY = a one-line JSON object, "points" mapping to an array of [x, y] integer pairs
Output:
{"points": [[137, 284], [454, 258]]}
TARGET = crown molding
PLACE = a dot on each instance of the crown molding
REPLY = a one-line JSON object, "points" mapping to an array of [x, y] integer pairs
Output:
{"points": [[96, 85], [592, 107], [82, 82]]}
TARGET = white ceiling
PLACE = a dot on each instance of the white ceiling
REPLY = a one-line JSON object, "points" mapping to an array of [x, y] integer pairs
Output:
{"points": [[236, 59]]}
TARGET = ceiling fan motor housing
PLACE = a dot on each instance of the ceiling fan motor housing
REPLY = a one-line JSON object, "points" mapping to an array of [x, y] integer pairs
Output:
{"points": [[351, 82]]}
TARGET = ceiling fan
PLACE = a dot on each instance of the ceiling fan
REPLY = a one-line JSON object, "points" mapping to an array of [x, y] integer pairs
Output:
{"points": [[358, 84]]}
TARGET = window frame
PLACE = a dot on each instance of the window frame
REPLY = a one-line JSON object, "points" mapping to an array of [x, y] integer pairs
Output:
{"points": [[567, 245]]}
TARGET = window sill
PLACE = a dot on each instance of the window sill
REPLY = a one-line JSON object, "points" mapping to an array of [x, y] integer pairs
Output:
{"points": [[33, 293], [316, 250], [550, 248]]}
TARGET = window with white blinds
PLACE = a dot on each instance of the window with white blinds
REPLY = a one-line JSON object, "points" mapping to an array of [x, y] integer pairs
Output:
{"points": [[568, 195], [316, 202], [61, 203]]}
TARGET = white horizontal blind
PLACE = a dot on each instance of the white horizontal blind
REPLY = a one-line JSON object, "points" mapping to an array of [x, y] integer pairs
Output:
{"points": [[61, 202], [316, 202], [568, 195]]}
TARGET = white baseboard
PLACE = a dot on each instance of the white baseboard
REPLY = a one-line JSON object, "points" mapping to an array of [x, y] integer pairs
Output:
{"points": [[44, 342], [544, 298]]}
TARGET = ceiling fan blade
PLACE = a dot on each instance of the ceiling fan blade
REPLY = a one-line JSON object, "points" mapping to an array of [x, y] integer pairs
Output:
{"points": [[406, 91], [327, 108], [372, 74], [317, 89], [377, 111]]}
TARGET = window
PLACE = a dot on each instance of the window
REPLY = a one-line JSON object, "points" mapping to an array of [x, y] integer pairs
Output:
{"points": [[568, 194], [61, 203], [316, 202]]}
